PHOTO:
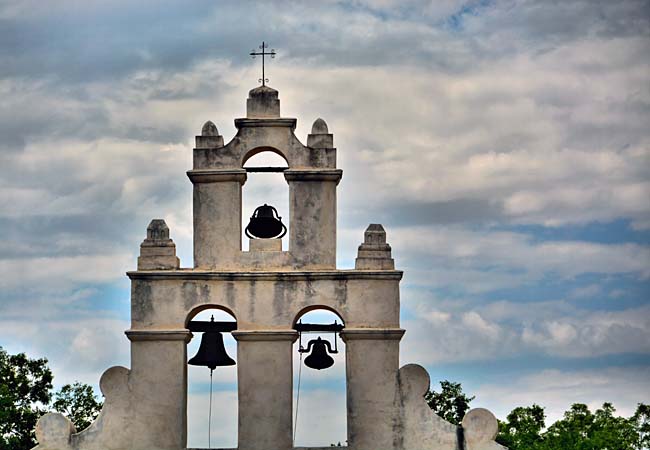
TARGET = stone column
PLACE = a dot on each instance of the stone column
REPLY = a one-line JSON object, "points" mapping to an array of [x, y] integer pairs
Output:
{"points": [[158, 385], [312, 204], [372, 363], [217, 216], [265, 386]]}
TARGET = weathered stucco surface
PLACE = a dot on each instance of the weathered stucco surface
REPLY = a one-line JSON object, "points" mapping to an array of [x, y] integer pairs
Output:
{"points": [[266, 290]]}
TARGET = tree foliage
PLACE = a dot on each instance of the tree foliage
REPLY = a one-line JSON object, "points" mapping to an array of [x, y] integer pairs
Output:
{"points": [[522, 428], [25, 386], [450, 403], [25, 395], [641, 420], [579, 429], [78, 403]]}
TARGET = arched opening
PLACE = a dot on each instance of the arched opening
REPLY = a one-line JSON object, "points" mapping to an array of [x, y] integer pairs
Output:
{"points": [[265, 184], [219, 430], [257, 150], [320, 412]]}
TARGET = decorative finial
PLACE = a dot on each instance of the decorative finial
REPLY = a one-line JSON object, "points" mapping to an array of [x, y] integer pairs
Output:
{"points": [[319, 127], [158, 251], [263, 53], [374, 253], [209, 129]]}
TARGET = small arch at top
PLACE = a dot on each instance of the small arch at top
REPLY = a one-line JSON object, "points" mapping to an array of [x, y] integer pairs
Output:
{"points": [[257, 150], [311, 308], [198, 309]]}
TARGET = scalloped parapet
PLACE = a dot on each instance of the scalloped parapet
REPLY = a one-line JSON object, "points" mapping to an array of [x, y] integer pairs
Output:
{"points": [[480, 428], [419, 428], [54, 431]]}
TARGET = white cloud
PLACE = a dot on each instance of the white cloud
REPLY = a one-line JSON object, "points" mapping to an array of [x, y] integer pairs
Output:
{"points": [[535, 112], [78, 347], [484, 260], [557, 390], [506, 329], [54, 273]]}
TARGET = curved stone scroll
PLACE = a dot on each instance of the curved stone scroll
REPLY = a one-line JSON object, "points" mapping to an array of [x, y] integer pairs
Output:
{"points": [[419, 428], [480, 428], [54, 431]]}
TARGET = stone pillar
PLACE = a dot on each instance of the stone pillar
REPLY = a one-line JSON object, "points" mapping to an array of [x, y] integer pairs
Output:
{"points": [[372, 364], [158, 383], [263, 103], [265, 386], [312, 205], [217, 216]]}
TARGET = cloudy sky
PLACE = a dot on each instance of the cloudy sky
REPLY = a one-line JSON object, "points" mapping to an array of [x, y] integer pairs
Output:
{"points": [[504, 145]]}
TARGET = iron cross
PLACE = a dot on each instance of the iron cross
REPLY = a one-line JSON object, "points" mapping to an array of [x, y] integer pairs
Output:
{"points": [[263, 53]]}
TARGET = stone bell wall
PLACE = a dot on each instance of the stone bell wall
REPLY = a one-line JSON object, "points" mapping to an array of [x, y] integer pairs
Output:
{"points": [[266, 290]]}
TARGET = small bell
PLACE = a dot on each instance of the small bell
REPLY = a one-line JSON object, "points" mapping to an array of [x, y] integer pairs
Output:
{"points": [[212, 352], [265, 224], [319, 357]]}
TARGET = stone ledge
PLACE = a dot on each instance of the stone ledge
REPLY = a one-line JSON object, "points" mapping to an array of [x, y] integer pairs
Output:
{"points": [[271, 122], [313, 175], [372, 333], [158, 335], [215, 176], [264, 245], [193, 274]]}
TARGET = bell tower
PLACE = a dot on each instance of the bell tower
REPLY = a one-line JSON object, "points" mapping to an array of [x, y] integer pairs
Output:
{"points": [[266, 290], [218, 176]]}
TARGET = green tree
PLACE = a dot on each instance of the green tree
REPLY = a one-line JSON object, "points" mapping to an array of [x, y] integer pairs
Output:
{"points": [[579, 429], [522, 428], [583, 430], [78, 403], [450, 403], [641, 420], [25, 395], [25, 386]]}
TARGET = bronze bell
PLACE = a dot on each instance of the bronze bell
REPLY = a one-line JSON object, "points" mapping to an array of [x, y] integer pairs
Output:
{"points": [[265, 224], [212, 352], [319, 358]]}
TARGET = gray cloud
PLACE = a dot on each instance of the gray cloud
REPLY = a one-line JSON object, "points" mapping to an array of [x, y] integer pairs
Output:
{"points": [[450, 117]]}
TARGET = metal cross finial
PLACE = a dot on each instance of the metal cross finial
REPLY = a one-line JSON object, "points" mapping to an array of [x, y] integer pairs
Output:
{"points": [[263, 53]]}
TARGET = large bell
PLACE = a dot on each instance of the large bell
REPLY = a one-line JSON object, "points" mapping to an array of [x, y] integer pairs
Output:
{"points": [[319, 357], [212, 352], [265, 224]]}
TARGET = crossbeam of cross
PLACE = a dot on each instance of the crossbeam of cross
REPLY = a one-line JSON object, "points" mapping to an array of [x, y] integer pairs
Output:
{"points": [[263, 53]]}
